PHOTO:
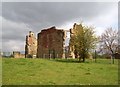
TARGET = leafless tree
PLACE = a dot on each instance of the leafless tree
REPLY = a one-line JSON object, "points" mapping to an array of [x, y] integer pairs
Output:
{"points": [[109, 41]]}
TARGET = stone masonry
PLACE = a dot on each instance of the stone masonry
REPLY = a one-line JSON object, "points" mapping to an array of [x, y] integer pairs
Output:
{"points": [[17, 54], [72, 52], [31, 45], [51, 43]]}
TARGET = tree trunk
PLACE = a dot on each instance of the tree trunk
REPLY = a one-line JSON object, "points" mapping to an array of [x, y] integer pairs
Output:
{"points": [[83, 59], [112, 59], [79, 59], [83, 56]]}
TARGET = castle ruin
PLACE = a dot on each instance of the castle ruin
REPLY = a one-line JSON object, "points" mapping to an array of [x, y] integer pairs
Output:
{"points": [[31, 45], [17, 54], [51, 43], [72, 52]]}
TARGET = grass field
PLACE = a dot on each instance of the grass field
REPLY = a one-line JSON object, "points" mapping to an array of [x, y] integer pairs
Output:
{"points": [[0, 71], [58, 72]]}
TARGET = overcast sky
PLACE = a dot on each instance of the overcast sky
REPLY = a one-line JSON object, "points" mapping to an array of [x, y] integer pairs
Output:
{"points": [[18, 18]]}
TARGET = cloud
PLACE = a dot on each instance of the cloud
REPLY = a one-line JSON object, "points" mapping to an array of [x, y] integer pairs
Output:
{"points": [[13, 30], [39, 15], [13, 45], [19, 18], [13, 35], [104, 21]]}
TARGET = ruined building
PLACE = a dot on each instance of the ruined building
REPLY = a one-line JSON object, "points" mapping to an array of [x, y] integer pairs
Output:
{"points": [[31, 45], [17, 54], [51, 43], [72, 52]]}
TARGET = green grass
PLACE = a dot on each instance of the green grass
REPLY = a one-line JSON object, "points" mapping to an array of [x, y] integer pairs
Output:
{"points": [[0, 71], [58, 72]]}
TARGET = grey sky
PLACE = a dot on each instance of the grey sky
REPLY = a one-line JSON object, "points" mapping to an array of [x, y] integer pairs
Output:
{"points": [[20, 17]]}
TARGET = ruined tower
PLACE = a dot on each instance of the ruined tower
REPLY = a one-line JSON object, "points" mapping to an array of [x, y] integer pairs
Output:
{"points": [[72, 52], [31, 45], [51, 43]]}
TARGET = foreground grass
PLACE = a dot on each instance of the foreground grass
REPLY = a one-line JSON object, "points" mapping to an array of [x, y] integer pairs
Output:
{"points": [[0, 71], [58, 72]]}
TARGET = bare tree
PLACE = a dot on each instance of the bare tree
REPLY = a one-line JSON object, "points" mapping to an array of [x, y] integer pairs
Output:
{"points": [[109, 41]]}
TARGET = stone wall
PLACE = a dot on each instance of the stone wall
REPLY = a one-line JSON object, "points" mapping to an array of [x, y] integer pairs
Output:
{"points": [[51, 43], [31, 45], [17, 54], [72, 52]]}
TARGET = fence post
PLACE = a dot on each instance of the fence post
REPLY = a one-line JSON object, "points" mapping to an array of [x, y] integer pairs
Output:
{"points": [[95, 56]]}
